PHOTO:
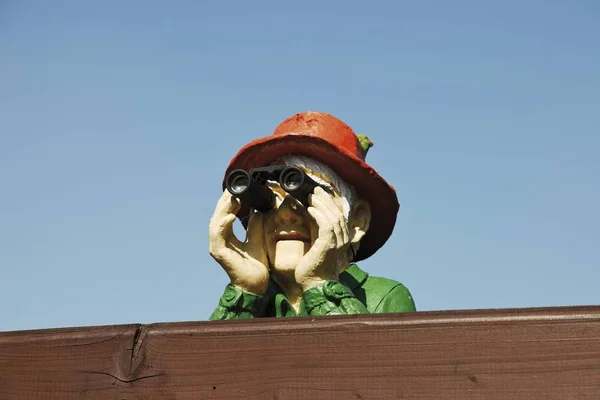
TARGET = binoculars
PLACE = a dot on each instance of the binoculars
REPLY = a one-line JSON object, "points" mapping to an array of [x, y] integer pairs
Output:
{"points": [[250, 186]]}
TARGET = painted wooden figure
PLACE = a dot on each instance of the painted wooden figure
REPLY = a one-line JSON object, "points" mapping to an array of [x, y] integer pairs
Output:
{"points": [[306, 226]]}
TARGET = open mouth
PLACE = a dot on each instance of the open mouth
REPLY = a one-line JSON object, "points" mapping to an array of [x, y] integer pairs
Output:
{"points": [[292, 236]]}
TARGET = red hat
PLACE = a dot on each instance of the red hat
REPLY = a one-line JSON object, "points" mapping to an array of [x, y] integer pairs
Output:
{"points": [[325, 138]]}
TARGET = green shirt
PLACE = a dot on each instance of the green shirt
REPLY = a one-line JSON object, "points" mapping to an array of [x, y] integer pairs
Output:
{"points": [[355, 293]]}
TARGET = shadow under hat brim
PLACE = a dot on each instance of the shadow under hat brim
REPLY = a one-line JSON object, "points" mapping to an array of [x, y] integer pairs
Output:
{"points": [[368, 184]]}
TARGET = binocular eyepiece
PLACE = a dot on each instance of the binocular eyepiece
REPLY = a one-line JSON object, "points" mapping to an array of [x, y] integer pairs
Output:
{"points": [[251, 186]]}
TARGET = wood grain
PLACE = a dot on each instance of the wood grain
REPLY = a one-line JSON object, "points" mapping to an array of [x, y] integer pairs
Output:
{"points": [[551, 353]]}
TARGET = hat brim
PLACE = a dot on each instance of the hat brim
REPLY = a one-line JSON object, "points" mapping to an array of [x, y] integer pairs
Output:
{"points": [[369, 185]]}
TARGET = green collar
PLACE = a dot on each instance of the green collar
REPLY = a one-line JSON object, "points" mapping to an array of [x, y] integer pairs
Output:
{"points": [[353, 277]]}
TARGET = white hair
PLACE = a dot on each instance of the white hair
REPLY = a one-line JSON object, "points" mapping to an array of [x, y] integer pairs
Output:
{"points": [[347, 191]]}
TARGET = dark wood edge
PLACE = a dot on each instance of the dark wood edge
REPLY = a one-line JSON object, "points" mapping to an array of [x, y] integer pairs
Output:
{"points": [[455, 317]]}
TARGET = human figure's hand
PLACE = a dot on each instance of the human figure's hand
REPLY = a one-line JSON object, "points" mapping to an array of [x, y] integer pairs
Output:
{"points": [[324, 259], [245, 262]]}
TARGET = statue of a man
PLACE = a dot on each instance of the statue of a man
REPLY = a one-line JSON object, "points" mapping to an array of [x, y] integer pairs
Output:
{"points": [[299, 256]]}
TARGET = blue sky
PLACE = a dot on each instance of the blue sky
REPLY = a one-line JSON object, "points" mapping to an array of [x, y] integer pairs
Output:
{"points": [[117, 120]]}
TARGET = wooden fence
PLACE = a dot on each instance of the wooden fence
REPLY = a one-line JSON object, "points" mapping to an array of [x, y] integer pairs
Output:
{"points": [[548, 353]]}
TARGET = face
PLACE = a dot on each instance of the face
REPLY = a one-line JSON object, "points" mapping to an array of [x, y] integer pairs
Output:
{"points": [[289, 229]]}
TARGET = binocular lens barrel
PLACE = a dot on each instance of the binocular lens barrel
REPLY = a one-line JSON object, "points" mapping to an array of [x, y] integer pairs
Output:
{"points": [[291, 179], [257, 196], [295, 181], [239, 183]]}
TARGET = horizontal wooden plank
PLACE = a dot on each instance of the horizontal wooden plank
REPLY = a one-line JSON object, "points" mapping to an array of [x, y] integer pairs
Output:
{"points": [[548, 353]]}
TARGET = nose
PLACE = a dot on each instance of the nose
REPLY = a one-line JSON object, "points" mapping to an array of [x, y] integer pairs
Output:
{"points": [[288, 213]]}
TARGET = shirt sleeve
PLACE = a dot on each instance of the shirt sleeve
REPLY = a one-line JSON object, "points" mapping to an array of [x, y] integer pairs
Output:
{"points": [[236, 303], [332, 298], [398, 299]]}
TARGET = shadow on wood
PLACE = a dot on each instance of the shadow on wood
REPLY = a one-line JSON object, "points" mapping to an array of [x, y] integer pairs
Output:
{"points": [[551, 353]]}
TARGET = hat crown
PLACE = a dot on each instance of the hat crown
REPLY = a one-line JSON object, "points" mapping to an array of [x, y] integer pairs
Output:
{"points": [[324, 126]]}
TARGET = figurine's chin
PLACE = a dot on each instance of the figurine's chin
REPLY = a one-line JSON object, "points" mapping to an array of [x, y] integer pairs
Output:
{"points": [[288, 253]]}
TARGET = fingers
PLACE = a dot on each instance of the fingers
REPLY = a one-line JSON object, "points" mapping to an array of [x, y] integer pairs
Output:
{"points": [[221, 223], [326, 231], [329, 217], [227, 204]]}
